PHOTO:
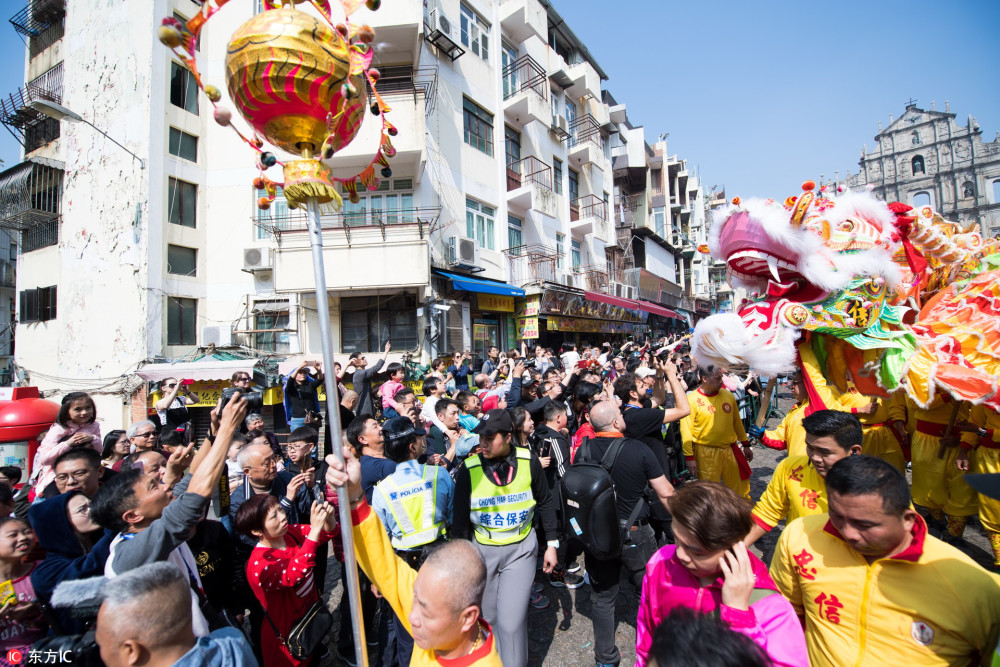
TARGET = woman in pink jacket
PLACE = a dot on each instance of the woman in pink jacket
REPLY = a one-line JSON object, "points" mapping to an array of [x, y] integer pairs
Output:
{"points": [[709, 569]]}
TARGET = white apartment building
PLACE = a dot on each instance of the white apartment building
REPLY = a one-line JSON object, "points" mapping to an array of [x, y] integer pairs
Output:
{"points": [[497, 223]]}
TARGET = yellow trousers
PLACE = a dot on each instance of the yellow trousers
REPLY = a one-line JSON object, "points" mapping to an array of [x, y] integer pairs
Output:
{"points": [[880, 442], [938, 483], [987, 460], [718, 464]]}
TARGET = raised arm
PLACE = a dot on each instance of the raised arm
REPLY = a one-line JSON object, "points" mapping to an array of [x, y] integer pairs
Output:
{"points": [[205, 478], [168, 398], [682, 408]]}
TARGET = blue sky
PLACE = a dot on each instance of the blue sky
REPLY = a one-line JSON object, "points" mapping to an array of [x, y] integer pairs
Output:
{"points": [[760, 96]]}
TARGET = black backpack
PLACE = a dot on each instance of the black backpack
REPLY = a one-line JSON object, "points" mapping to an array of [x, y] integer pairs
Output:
{"points": [[590, 511]]}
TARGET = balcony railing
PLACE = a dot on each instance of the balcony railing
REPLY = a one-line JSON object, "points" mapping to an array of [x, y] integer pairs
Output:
{"points": [[528, 170], [30, 194], [37, 16], [294, 221], [525, 74], [406, 80], [588, 206], [533, 263], [15, 108], [592, 277], [631, 202], [585, 128]]}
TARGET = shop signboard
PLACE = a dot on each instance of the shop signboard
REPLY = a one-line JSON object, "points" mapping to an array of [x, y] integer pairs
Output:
{"points": [[529, 306], [496, 302], [568, 304], [527, 327]]}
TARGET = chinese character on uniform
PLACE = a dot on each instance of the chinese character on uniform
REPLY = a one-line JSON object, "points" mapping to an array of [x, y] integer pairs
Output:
{"points": [[498, 520], [485, 519], [809, 499], [829, 607], [512, 518], [796, 474], [522, 516], [802, 560]]}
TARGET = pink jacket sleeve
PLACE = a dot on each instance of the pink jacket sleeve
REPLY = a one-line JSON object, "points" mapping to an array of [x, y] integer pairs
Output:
{"points": [[647, 620], [772, 624]]}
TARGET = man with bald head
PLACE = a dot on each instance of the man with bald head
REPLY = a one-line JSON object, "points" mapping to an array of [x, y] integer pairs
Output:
{"points": [[635, 467], [145, 619], [440, 605]]}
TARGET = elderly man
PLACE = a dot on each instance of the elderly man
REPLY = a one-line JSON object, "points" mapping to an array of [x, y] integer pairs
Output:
{"points": [[441, 605], [254, 422], [142, 435], [260, 475], [145, 619]]}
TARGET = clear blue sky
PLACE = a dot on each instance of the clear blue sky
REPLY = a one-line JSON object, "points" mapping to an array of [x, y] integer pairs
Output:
{"points": [[763, 95]]}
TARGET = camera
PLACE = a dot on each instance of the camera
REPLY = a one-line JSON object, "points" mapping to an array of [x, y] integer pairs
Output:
{"points": [[529, 363], [254, 399]]}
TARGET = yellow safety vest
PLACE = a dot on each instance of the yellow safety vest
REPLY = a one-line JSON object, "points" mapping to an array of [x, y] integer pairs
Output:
{"points": [[501, 514], [413, 507]]}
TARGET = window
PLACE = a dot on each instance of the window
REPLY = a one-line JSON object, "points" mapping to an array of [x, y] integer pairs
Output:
{"points": [[272, 341], [514, 226], [197, 42], [968, 190], [554, 96], [508, 56], [475, 33], [183, 88], [13, 251], [557, 174], [921, 199], [38, 305], [560, 250], [367, 322], [183, 145], [996, 192], [391, 203], [182, 261], [182, 202], [41, 235], [182, 316], [574, 253], [915, 138], [278, 216], [918, 165], [659, 222], [478, 127], [512, 145], [574, 185], [479, 223]]}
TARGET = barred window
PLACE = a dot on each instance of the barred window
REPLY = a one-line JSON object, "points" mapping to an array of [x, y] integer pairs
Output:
{"points": [[478, 127]]}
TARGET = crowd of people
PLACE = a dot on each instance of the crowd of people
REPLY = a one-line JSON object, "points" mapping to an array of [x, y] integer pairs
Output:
{"points": [[591, 469]]}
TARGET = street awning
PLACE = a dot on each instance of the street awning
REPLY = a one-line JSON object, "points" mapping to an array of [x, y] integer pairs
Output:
{"points": [[659, 310], [612, 300], [470, 284], [203, 369]]}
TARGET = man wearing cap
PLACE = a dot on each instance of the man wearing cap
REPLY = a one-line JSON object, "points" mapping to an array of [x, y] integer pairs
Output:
{"points": [[414, 504], [497, 493]]}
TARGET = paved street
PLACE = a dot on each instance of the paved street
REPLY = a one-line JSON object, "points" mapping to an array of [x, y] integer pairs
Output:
{"points": [[562, 635]]}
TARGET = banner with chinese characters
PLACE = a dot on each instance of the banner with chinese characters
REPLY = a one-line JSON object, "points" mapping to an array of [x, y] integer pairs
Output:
{"points": [[479, 332], [529, 306], [527, 327], [208, 393], [568, 304], [496, 302], [570, 324]]}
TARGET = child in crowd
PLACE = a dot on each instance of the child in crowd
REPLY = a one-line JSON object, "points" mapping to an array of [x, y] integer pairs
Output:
{"points": [[75, 427], [22, 622], [389, 388]]}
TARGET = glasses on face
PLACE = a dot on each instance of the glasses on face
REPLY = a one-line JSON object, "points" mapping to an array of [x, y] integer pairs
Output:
{"points": [[242, 379], [268, 462], [148, 434], [78, 475], [302, 445], [171, 386]]}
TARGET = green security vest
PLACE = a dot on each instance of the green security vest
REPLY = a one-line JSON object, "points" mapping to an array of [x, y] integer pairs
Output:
{"points": [[412, 506], [501, 514]]}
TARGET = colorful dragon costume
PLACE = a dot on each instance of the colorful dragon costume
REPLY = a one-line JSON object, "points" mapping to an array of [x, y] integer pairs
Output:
{"points": [[884, 296]]}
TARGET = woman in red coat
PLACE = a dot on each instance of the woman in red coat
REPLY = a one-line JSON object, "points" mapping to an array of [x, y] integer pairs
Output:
{"points": [[280, 569]]}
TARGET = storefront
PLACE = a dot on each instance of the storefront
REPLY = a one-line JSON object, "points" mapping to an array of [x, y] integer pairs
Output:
{"points": [[490, 305]]}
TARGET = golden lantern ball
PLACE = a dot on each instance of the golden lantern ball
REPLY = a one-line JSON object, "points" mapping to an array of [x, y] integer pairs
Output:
{"points": [[285, 72]]}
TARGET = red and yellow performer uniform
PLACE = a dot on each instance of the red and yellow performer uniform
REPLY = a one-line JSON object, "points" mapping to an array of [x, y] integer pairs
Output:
{"points": [[879, 438], [789, 434], [795, 490], [986, 459], [938, 484], [928, 605], [712, 435]]}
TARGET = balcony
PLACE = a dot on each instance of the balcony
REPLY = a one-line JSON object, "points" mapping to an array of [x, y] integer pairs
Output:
{"points": [[585, 141], [523, 19], [533, 263], [529, 186], [583, 79], [18, 115], [7, 273], [592, 277], [30, 195], [588, 215], [37, 16], [397, 242], [397, 30], [526, 92]]}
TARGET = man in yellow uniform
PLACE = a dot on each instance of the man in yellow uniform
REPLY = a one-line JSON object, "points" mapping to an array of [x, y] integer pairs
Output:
{"points": [[938, 484], [982, 434], [797, 487], [880, 439], [712, 433], [441, 605], [788, 434], [873, 587]]}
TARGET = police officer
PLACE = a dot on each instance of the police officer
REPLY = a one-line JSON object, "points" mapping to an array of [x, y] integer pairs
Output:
{"points": [[414, 504], [497, 493]]}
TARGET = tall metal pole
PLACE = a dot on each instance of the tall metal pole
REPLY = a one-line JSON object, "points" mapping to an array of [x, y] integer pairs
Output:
{"points": [[333, 419]]}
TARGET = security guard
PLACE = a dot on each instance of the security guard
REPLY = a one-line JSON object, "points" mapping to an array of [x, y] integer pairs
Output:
{"points": [[497, 493], [414, 504], [797, 487]]}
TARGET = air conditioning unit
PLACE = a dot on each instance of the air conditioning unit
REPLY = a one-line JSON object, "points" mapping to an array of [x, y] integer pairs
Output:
{"points": [[218, 336], [624, 291], [257, 259], [463, 252], [438, 21], [560, 124]]}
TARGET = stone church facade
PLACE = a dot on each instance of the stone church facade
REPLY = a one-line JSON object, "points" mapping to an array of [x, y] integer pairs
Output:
{"points": [[925, 157]]}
